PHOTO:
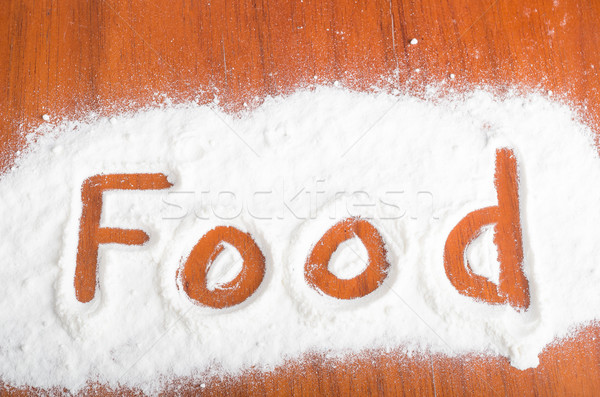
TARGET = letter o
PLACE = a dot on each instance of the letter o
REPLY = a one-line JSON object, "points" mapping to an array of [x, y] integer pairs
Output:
{"points": [[318, 275], [193, 273]]}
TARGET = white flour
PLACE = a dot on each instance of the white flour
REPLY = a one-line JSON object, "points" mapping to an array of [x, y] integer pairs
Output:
{"points": [[349, 260], [482, 256], [286, 173]]}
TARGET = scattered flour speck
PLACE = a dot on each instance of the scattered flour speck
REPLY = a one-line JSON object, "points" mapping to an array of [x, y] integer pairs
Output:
{"points": [[285, 173]]}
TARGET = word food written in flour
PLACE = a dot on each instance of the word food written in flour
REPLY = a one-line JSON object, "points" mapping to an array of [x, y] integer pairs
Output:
{"points": [[512, 287]]}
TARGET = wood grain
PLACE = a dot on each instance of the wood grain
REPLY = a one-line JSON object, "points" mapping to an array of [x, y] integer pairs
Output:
{"points": [[91, 235], [71, 57], [505, 218], [316, 271], [194, 271]]}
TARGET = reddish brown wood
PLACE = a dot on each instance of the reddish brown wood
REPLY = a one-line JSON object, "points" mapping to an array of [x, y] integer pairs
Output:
{"points": [[505, 218], [70, 57], [193, 274], [91, 235], [318, 275]]}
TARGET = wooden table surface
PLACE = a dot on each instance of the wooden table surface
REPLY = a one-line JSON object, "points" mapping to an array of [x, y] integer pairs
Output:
{"points": [[68, 58]]}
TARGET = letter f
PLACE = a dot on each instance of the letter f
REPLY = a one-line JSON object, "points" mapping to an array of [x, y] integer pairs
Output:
{"points": [[91, 235]]}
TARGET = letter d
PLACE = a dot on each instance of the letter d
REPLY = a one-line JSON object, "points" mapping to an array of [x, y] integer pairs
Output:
{"points": [[513, 287]]}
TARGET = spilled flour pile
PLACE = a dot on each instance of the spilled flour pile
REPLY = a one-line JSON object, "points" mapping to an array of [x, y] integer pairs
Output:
{"points": [[286, 173]]}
